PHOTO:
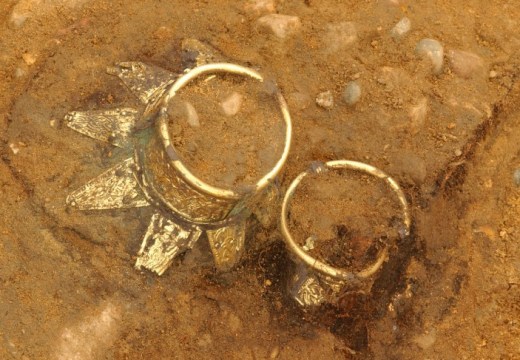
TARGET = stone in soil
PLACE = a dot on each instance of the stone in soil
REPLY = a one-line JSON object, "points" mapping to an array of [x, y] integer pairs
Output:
{"points": [[401, 28], [340, 36], [465, 64], [352, 93], [325, 100], [258, 7], [433, 51], [281, 26]]}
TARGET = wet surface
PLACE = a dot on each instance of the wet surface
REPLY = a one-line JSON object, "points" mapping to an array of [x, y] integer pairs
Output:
{"points": [[68, 287]]}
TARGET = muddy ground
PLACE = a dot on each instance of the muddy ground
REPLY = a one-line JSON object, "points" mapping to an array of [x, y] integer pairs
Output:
{"points": [[68, 289]]}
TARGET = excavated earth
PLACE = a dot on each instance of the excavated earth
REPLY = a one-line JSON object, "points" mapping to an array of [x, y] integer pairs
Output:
{"points": [[68, 288]]}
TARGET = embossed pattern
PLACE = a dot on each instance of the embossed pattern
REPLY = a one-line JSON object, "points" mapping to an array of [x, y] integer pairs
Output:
{"points": [[113, 126], [164, 240], [147, 82], [227, 245], [186, 200], [116, 188]]}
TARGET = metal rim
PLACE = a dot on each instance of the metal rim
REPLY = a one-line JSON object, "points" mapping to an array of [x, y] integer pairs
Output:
{"points": [[175, 161], [318, 265]]}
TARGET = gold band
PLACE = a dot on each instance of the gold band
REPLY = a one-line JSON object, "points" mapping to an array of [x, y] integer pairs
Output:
{"points": [[321, 267]]}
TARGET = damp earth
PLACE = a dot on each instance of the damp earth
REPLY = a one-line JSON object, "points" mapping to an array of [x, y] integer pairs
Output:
{"points": [[425, 90]]}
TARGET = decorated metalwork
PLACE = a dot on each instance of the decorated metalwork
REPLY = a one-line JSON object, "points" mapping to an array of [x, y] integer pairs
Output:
{"points": [[313, 282], [185, 206]]}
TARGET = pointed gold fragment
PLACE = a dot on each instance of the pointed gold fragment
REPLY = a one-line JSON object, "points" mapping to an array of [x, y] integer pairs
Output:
{"points": [[113, 126], [162, 241], [227, 245], [116, 188]]}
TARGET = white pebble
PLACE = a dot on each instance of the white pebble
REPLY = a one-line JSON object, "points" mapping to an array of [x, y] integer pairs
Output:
{"points": [[191, 113], [18, 19], [14, 148], [28, 58], [432, 50], [465, 64], [257, 7], [325, 100], [352, 93], [340, 36], [282, 26], [19, 72], [231, 105], [401, 28]]}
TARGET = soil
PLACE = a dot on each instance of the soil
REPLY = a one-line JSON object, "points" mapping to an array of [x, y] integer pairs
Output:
{"points": [[350, 215], [68, 288], [228, 150]]}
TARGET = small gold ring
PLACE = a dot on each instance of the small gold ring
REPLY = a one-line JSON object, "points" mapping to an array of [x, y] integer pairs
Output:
{"points": [[321, 267]]}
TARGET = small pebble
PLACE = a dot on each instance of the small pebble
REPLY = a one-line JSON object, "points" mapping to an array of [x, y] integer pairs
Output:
{"points": [[465, 64], [325, 100], [417, 115], [14, 148], [257, 7], [282, 26], [352, 93], [432, 50], [18, 19], [28, 58], [516, 177], [458, 152], [426, 341], [492, 74], [19, 72], [275, 352], [340, 36], [191, 113], [401, 28], [231, 105]]}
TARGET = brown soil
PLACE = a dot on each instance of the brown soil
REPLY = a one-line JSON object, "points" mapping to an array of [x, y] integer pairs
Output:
{"points": [[228, 150], [68, 288], [351, 215]]}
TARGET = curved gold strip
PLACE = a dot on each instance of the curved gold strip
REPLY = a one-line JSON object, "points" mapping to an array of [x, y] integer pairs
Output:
{"points": [[168, 146], [318, 265]]}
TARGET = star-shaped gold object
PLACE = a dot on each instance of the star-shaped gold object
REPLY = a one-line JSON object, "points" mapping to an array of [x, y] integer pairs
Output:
{"points": [[184, 205]]}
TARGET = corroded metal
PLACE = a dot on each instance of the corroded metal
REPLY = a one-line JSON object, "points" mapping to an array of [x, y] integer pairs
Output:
{"points": [[186, 205], [315, 282]]}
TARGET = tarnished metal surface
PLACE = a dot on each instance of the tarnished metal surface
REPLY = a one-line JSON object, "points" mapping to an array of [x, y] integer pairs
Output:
{"points": [[114, 126], [116, 188], [227, 244], [157, 177], [315, 282], [162, 241]]}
